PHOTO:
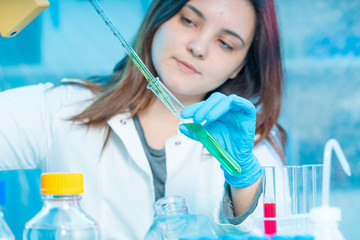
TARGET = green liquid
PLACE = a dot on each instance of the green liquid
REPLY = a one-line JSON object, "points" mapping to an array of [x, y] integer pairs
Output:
{"points": [[214, 148], [149, 77], [141, 66]]}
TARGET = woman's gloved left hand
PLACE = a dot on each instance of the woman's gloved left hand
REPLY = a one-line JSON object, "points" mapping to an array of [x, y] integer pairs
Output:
{"points": [[231, 120]]}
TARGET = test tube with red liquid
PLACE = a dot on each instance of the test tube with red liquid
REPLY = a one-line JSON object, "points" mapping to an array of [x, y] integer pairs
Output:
{"points": [[269, 201]]}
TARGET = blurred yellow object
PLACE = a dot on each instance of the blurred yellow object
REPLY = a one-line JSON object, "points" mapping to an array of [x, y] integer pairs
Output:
{"points": [[17, 14], [62, 183]]}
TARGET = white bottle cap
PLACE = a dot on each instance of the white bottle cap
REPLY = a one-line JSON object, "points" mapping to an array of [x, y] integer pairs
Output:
{"points": [[325, 214]]}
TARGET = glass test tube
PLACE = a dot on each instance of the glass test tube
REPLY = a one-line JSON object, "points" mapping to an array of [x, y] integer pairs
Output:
{"points": [[294, 174], [269, 201], [312, 183]]}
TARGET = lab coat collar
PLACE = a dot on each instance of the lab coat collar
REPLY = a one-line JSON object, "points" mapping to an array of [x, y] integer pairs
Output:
{"points": [[178, 148], [123, 126]]}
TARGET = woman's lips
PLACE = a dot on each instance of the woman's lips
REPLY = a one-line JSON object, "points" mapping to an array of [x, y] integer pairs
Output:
{"points": [[188, 68]]}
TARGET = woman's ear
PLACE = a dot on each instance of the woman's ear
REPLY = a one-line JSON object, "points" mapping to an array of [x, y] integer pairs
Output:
{"points": [[237, 70]]}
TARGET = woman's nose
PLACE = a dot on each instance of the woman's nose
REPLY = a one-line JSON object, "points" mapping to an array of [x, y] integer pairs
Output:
{"points": [[198, 47]]}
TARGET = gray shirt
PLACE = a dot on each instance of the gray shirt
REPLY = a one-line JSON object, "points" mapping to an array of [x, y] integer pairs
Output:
{"points": [[157, 161]]}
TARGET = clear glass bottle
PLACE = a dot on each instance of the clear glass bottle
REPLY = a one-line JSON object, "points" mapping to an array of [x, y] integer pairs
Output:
{"points": [[173, 221], [5, 232], [61, 217]]}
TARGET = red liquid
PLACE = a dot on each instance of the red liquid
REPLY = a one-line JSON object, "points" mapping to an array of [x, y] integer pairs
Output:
{"points": [[270, 211]]}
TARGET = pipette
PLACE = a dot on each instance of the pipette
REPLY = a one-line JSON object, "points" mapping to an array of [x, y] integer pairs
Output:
{"points": [[170, 100]]}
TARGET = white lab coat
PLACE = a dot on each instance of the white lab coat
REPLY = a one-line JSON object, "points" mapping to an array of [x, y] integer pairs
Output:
{"points": [[118, 184]]}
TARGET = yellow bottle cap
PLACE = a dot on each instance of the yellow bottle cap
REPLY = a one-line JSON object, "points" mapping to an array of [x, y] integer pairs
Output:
{"points": [[62, 183]]}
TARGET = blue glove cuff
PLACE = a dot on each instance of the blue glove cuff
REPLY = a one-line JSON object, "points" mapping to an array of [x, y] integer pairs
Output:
{"points": [[250, 173]]}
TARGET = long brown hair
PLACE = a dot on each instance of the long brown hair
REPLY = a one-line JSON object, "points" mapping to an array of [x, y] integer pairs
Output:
{"points": [[260, 80]]}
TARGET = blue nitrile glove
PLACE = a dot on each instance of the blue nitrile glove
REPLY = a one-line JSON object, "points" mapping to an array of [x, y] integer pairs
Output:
{"points": [[231, 120]]}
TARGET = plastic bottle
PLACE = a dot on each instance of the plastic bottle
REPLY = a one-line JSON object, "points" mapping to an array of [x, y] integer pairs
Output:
{"points": [[326, 223], [5, 232], [173, 221], [61, 217]]}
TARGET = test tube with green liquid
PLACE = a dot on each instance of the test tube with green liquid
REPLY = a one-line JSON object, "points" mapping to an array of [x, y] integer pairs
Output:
{"points": [[170, 100], [214, 148]]}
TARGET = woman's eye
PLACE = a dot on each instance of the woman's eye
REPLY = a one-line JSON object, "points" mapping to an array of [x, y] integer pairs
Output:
{"points": [[225, 45], [187, 21]]}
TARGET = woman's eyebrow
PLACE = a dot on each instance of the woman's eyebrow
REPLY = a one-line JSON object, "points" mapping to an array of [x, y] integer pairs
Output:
{"points": [[234, 34], [196, 11], [226, 31]]}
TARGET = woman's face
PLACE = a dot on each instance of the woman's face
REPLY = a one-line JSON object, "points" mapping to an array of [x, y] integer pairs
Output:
{"points": [[202, 46]]}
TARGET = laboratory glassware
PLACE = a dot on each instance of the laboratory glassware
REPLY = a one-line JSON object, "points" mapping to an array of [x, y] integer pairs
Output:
{"points": [[302, 194], [297, 190], [170, 101], [173, 221], [61, 217], [312, 175], [5, 232], [325, 218]]}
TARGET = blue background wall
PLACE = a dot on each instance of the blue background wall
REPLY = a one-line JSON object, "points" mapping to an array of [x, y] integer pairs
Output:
{"points": [[321, 53]]}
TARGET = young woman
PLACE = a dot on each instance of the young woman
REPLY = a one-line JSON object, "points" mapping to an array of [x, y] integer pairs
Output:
{"points": [[221, 59]]}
